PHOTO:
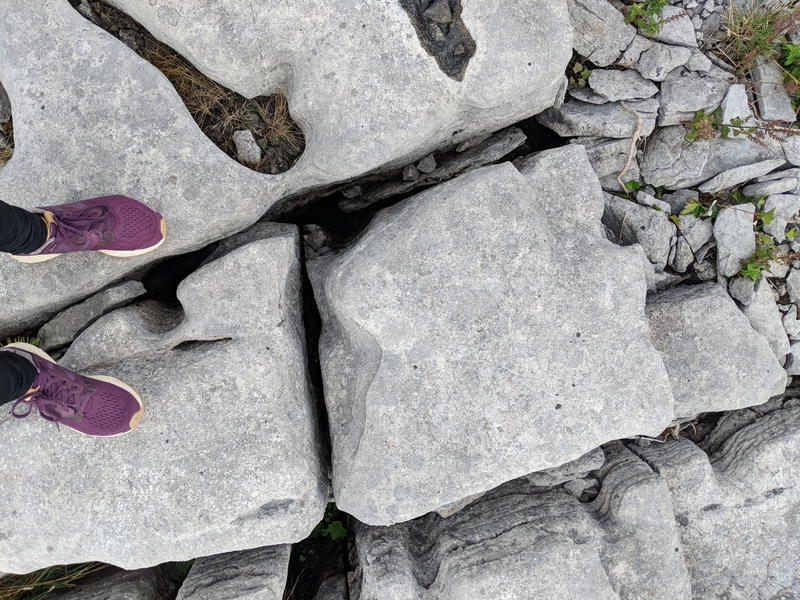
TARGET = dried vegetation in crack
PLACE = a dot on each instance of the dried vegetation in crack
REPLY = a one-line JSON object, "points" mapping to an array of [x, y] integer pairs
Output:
{"points": [[258, 132]]}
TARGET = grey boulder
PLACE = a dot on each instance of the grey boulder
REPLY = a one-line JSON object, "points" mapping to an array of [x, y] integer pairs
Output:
{"points": [[142, 584], [735, 238], [715, 360], [518, 543], [684, 93], [766, 319], [64, 327], [153, 150], [675, 28], [610, 120], [736, 509], [774, 103], [616, 85], [785, 207], [227, 455], [443, 319], [674, 162], [600, 31], [653, 60], [258, 574], [632, 223]]}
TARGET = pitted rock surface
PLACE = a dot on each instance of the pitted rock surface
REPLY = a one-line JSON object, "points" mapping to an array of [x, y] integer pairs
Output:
{"points": [[466, 323], [226, 456]]}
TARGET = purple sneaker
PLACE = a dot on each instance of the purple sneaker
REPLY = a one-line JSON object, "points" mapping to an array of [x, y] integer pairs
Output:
{"points": [[96, 406], [114, 225]]}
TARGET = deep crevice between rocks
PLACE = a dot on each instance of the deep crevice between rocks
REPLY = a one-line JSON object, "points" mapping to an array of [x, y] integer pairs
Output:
{"points": [[6, 128], [332, 218], [277, 140]]}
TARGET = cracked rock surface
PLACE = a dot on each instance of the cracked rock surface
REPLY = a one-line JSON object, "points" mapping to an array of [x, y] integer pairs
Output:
{"points": [[204, 473], [411, 362], [63, 73]]}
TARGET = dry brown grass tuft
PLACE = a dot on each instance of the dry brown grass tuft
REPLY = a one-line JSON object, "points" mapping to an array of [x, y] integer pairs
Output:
{"points": [[40, 584], [756, 29], [6, 142], [218, 111]]}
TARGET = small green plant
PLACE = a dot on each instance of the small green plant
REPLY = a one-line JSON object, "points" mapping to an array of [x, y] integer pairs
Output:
{"points": [[791, 68], [766, 251], [707, 126], [633, 186], [646, 16], [41, 584], [579, 74]]}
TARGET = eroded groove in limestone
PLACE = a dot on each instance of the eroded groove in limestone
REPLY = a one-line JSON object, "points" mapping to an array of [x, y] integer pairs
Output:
{"points": [[258, 132], [443, 33]]}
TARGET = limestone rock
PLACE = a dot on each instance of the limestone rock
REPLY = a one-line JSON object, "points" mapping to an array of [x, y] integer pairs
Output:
{"points": [[768, 188], [736, 510], [736, 241], [766, 319], [674, 162], [774, 103], [736, 105], [142, 584], [599, 29], [154, 151], [247, 149], [198, 476], [516, 543], [632, 223], [653, 60], [675, 28], [602, 120], [693, 234], [733, 177], [580, 467], [685, 92], [786, 207], [714, 358], [258, 574], [621, 85], [63, 328], [418, 345]]}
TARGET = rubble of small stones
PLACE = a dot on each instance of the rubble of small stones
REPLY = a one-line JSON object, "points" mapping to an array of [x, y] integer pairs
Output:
{"points": [[519, 368]]}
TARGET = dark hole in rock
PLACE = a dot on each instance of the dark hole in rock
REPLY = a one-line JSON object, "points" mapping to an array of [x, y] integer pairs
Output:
{"points": [[6, 128], [258, 132], [443, 33], [321, 555], [161, 281]]}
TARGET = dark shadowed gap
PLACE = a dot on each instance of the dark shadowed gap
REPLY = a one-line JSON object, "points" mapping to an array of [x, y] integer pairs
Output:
{"points": [[442, 33], [6, 128]]}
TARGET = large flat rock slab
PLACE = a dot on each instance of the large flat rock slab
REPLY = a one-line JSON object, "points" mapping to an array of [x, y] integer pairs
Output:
{"points": [[226, 456], [481, 331], [91, 117]]}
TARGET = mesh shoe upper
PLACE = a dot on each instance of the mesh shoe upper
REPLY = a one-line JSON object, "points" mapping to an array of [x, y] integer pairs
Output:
{"points": [[92, 406], [107, 223]]}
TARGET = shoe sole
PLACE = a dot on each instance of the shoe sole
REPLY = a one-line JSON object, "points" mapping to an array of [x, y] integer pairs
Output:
{"points": [[115, 253], [134, 419]]}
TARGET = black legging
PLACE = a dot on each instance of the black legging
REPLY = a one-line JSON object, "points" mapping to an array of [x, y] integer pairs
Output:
{"points": [[17, 375], [21, 232]]}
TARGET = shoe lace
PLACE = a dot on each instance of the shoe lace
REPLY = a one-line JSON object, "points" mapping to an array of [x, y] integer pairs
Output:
{"points": [[75, 229], [56, 398]]}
